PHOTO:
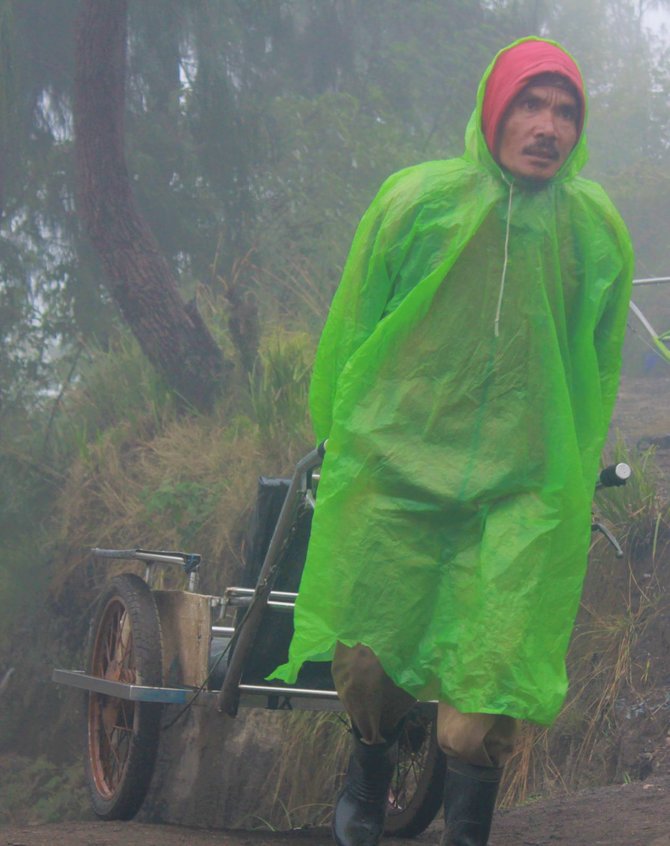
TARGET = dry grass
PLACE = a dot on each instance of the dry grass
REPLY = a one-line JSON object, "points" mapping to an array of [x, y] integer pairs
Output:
{"points": [[156, 479], [623, 601], [308, 772], [187, 487]]}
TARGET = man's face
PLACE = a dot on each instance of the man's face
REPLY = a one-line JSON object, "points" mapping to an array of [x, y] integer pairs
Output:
{"points": [[538, 132]]}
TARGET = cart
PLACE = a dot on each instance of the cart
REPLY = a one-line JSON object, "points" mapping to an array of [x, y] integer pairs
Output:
{"points": [[149, 648]]}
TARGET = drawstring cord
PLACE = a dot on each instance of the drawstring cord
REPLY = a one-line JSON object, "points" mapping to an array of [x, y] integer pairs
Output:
{"points": [[496, 324]]}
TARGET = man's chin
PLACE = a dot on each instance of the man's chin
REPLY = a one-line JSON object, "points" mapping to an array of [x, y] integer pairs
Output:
{"points": [[536, 169]]}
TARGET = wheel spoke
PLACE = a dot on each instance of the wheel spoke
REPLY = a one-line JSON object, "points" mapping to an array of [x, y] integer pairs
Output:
{"points": [[114, 754], [113, 718], [414, 795], [408, 769]]}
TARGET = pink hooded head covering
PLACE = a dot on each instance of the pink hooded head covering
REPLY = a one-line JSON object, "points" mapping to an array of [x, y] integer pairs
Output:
{"points": [[514, 69]]}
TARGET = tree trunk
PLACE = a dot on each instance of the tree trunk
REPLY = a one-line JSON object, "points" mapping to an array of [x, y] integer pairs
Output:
{"points": [[172, 334]]}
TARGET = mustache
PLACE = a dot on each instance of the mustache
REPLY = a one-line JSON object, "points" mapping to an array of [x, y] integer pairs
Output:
{"points": [[545, 148]]}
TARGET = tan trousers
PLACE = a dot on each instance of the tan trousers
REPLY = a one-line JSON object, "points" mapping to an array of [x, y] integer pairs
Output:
{"points": [[376, 705]]}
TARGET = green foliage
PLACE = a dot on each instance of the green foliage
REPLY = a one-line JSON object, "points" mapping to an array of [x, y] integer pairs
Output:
{"points": [[35, 790], [27, 485], [116, 394], [116, 388], [8, 97], [186, 505], [279, 385]]}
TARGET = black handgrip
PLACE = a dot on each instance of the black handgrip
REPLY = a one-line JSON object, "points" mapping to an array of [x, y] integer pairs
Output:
{"points": [[615, 475]]}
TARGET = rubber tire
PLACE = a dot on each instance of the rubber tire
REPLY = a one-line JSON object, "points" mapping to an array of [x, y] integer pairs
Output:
{"points": [[418, 779], [126, 607]]}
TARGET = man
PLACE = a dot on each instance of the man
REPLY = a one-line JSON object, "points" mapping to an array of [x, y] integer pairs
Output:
{"points": [[465, 380]]}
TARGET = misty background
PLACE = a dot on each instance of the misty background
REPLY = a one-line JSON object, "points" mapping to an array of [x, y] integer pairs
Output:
{"points": [[255, 134]]}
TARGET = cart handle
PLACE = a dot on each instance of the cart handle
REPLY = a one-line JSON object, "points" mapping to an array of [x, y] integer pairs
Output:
{"points": [[190, 561], [245, 634]]}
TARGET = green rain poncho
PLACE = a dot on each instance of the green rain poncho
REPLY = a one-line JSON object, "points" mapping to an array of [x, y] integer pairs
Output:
{"points": [[453, 515]]}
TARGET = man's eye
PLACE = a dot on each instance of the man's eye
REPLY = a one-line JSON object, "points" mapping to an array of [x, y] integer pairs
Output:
{"points": [[530, 105], [568, 113]]}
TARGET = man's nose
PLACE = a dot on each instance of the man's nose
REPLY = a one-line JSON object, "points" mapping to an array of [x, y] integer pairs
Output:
{"points": [[546, 123]]}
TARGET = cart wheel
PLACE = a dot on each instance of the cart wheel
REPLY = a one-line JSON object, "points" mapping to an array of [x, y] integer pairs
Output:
{"points": [[125, 646], [417, 787]]}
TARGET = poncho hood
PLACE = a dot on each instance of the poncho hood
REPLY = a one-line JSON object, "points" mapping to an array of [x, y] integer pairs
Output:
{"points": [[510, 71]]}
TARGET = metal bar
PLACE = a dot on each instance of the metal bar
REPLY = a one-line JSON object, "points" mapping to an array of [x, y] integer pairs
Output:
{"points": [[659, 344], [274, 594], [246, 601], [179, 696], [652, 280], [599, 527], [289, 703], [142, 555], [302, 699], [159, 558], [251, 696], [643, 320], [223, 630], [269, 690], [114, 553], [121, 690]]}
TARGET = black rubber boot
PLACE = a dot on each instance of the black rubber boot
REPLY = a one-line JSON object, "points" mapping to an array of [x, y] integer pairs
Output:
{"points": [[469, 801], [360, 810]]}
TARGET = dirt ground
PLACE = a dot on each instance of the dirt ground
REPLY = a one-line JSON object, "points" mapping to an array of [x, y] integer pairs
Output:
{"points": [[636, 814]]}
